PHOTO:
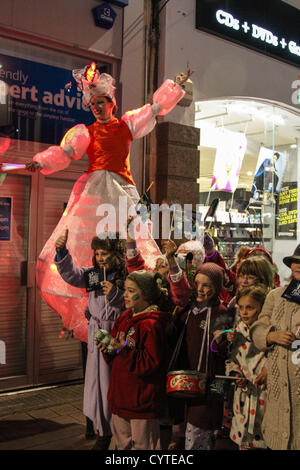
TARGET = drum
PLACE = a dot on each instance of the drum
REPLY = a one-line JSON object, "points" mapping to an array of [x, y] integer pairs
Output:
{"points": [[186, 384]]}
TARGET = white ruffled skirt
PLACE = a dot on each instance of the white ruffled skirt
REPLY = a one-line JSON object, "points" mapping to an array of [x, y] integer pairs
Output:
{"points": [[85, 218]]}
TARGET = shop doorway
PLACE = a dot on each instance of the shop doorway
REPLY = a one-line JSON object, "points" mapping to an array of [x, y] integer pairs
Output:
{"points": [[32, 351]]}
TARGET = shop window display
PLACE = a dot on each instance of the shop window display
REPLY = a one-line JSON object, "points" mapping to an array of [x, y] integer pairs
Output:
{"points": [[263, 150]]}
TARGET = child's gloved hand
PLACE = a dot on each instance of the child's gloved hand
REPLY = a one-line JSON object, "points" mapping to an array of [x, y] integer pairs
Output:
{"points": [[208, 243], [231, 336], [217, 336], [169, 248], [61, 242], [118, 342], [107, 287], [241, 382], [261, 379]]}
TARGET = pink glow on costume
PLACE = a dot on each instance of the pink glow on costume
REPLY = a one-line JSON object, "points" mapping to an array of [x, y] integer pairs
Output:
{"points": [[4, 144], [168, 96], [107, 179], [52, 159], [78, 138]]}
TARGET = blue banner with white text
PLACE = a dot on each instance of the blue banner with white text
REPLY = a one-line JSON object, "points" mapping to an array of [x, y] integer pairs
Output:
{"points": [[34, 99]]}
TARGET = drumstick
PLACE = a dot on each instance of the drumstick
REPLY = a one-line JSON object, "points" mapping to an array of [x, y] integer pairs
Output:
{"points": [[104, 276], [149, 187], [174, 311], [227, 377], [170, 232]]}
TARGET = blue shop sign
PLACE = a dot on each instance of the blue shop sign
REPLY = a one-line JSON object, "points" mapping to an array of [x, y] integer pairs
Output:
{"points": [[104, 16], [35, 100], [5, 218], [119, 3]]}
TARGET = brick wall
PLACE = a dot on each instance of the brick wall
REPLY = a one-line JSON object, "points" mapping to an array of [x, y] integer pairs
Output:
{"points": [[177, 163]]}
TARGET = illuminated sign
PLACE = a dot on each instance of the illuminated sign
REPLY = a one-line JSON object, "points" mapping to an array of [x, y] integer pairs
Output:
{"points": [[286, 212], [255, 24], [104, 16]]}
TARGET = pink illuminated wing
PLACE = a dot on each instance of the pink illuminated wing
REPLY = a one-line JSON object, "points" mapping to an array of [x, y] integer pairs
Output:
{"points": [[78, 138], [140, 121], [52, 159], [168, 95]]}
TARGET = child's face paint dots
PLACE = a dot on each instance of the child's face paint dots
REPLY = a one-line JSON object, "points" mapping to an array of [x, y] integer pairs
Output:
{"points": [[103, 258], [133, 297], [205, 289], [249, 309]]}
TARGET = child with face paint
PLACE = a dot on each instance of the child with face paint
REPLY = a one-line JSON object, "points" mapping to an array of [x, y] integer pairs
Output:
{"points": [[203, 415], [248, 362], [104, 283], [166, 266], [136, 394], [174, 280], [212, 255], [252, 271]]}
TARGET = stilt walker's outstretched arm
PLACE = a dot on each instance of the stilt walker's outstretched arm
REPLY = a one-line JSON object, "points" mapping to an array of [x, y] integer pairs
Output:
{"points": [[73, 145]]}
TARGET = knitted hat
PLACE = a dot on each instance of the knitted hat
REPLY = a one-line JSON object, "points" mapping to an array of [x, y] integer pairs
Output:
{"points": [[111, 243], [260, 252], [215, 274], [288, 260], [115, 247], [194, 248], [148, 282]]}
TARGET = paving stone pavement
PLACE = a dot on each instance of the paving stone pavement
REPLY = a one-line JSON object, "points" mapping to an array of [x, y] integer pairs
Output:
{"points": [[44, 419]]}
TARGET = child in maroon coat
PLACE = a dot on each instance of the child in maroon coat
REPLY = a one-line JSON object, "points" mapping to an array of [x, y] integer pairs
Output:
{"points": [[136, 394], [203, 415]]}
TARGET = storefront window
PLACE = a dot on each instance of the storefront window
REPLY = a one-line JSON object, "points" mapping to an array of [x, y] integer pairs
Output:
{"points": [[36, 108], [249, 161], [38, 96]]}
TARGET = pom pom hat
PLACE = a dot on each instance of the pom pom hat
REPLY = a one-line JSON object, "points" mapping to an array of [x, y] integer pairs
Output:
{"points": [[214, 272], [149, 283]]}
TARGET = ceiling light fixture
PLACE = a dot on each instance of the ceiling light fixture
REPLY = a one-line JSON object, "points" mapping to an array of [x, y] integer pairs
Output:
{"points": [[263, 113]]}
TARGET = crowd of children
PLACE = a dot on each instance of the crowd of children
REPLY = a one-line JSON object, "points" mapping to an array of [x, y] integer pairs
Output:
{"points": [[198, 318], [226, 325]]}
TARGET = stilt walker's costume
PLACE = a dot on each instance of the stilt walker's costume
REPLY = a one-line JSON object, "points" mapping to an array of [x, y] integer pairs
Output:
{"points": [[107, 145]]}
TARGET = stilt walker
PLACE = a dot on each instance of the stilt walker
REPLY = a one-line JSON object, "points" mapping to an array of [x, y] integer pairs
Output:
{"points": [[107, 143]]}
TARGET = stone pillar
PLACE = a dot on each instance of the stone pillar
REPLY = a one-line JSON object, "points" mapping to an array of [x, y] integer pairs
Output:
{"points": [[177, 164]]}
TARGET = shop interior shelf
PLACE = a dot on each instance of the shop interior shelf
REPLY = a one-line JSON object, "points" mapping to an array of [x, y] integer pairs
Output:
{"points": [[240, 225], [241, 239]]}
